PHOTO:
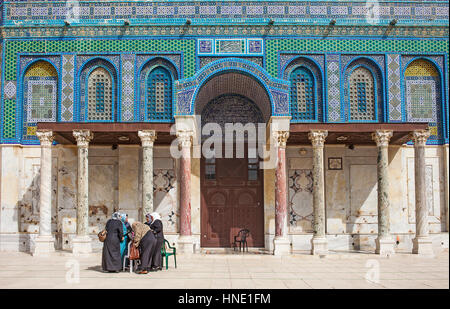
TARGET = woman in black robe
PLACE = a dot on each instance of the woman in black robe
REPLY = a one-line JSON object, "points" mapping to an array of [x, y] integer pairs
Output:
{"points": [[157, 228], [145, 241], [111, 260]]}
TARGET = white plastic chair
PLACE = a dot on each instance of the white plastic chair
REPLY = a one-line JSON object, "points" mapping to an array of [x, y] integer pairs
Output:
{"points": [[128, 257]]}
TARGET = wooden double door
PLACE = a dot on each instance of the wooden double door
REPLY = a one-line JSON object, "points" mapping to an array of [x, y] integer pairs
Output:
{"points": [[231, 200]]}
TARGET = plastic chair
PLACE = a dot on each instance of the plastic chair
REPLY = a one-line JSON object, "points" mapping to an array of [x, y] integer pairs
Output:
{"points": [[166, 254], [241, 238], [128, 257]]}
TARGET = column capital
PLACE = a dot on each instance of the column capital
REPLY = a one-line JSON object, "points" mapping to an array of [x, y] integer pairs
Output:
{"points": [[281, 138], [317, 137], [83, 137], [382, 137], [420, 137], [45, 137], [185, 137], [147, 137]]}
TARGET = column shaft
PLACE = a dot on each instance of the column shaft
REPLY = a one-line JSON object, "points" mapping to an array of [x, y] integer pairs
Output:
{"points": [[384, 242], [422, 243], [319, 241], [147, 137], [44, 243], [185, 192], [83, 191], [82, 242]]}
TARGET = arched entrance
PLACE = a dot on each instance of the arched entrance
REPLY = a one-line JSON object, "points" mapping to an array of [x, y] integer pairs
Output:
{"points": [[232, 196]]}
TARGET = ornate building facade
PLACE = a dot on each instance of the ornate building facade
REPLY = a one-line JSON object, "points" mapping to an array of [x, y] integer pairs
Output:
{"points": [[353, 96]]}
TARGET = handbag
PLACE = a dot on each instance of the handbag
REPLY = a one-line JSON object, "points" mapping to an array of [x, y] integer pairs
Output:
{"points": [[102, 235], [134, 253]]}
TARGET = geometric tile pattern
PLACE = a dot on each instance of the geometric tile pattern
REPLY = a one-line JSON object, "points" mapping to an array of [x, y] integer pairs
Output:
{"points": [[128, 61], [156, 11], [334, 93], [394, 87], [300, 182], [362, 98], [67, 87], [100, 95], [302, 95], [10, 89], [159, 95]]}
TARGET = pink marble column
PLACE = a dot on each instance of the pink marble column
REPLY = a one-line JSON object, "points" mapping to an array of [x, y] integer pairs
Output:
{"points": [[185, 142], [281, 243]]}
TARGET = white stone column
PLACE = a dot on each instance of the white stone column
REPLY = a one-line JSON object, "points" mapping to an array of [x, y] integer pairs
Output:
{"points": [[281, 243], [147, 137], [319, 241], [422, 244], [384, 242], [45, 242], [185, 242], [82, 242]]}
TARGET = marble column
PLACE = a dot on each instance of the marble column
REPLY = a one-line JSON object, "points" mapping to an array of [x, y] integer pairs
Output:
{"points": [[185, 242], [384, 242], [319, 241], [45, 242], [422, 244], [82, 241], [147, 138], [281, 242]]}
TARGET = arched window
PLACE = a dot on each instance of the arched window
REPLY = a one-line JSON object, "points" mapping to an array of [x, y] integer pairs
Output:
{"points": [[303, 102], [98, 91], [423, 97], [156, 80], [100, 95], [361, 95], [40, 93]]}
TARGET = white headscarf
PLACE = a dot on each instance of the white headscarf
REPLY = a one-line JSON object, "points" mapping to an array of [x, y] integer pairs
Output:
{"points": [[155, 216], [116, 215]]}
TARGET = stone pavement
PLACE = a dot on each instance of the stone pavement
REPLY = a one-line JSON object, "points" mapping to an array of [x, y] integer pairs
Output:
{"points": [[349, 270]]}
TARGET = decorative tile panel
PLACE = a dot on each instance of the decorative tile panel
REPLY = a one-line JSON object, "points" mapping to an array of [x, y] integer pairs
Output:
{"points": [[128, 61], [68, 90], [394, 87], [334, 93]]}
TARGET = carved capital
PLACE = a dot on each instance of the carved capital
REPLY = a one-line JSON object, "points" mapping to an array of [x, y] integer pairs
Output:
{"points": [[317, 137], [185, 138], [420, 137], [147, 137], [83, 137], [45, 137], [281, 138], [382, 137]]}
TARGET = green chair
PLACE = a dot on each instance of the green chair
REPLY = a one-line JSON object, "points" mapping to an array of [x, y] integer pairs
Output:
{"points": [[166, 254]]}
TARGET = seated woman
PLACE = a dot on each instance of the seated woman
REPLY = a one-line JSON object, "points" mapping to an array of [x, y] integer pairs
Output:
{"points": [[111, 260], [146, 242], [157, 227]]}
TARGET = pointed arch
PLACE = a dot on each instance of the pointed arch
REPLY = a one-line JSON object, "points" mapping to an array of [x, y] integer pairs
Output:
{"points": [[306, 92], [423, 95], [98, 91], [363, 91], [40, 94], [156, 91]]}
